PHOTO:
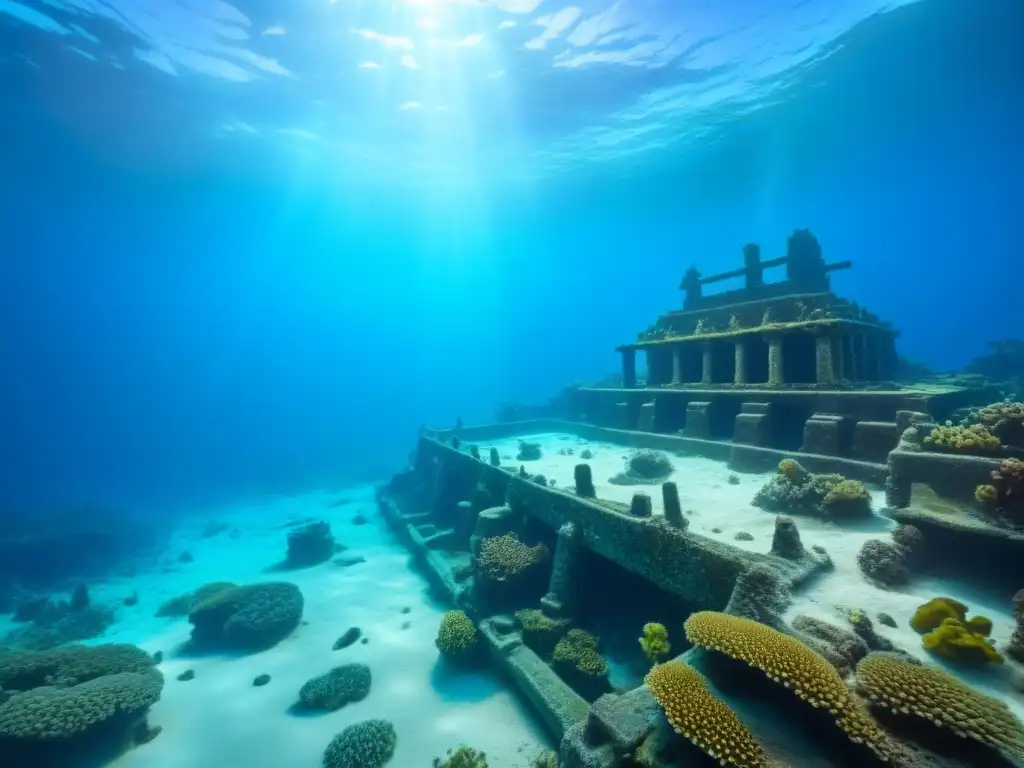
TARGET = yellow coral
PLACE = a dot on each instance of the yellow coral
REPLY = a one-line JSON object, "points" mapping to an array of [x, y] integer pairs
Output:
{"points": [[788, 467], [788, 661], [953, 640], [456, 637], [504, 557], [846, 490], [976, 438], [930, 615], [986, 494], [936, 696], [695, 713], [655, 642], [992, 415], [579, 649]]}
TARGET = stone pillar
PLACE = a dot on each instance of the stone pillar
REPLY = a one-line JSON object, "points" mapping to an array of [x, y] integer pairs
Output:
{"points": [[564, 572], [872, 357], [824, 364], [860, 354], [775, 377], [629, 367], [707, 361], [652, 367], [839, 354], [672, 508], [677, 364], [739, 375]]}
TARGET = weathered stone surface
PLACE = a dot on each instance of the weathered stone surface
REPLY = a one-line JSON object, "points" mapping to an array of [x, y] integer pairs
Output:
{"points": [[786, 539]]}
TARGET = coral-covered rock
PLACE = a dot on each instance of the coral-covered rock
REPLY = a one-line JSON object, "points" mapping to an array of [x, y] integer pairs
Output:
{"points": [[793, 490], [366, 744], [883, 562], [579, 662], [644, 467], [333, 690], [247, 618], [786, 539], [311, 544], [528, 451]]}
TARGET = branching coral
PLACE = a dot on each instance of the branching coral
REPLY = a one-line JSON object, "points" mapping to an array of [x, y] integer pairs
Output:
{"points": [[934, 695], [456, 637], [504, 557], [579, 662], [246, 618], [367, 744], [975, 439], [695, 713], [333, 690], [786, 660], [540, 632]]}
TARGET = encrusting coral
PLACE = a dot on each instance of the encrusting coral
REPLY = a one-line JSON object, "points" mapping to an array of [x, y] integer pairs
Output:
{"points": [[934, 695], [456, 637], [794, 490], [654, 642], [790, 662], [247, 618], [695, 713]]}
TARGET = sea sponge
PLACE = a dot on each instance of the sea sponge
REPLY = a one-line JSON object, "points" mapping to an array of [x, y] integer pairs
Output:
{"points": [[953, 640], [932, 694], [975, 439], [930, 615], [695, 713], [247, 618], [456, 637], [654, 642], [502, 558], [367, 744], [788, 661], [333, 690]]}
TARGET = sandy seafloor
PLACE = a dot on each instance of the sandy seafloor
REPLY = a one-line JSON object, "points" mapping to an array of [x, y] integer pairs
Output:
{"points": [[711, 502], [219, 720]]}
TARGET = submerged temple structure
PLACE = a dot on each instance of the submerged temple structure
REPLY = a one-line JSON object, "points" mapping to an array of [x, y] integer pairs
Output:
{"points": [[787, 365]]}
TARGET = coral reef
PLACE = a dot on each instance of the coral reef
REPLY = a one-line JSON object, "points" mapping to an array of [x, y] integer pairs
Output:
{"points": [[947, 632], [889, 563], [182, 605], [695, 713], [528, 451], [976, 439], [333, 690], [73, 703], [366, 744], [463, 757], [1005, 420], [503, 558], [579, 662], [654, 642], [311, 544], [794, 490], [842, 647], [246, 618], [1005, 494], [933, 695], [456, 637], [790, 662], [644, 467], [541, 633]]}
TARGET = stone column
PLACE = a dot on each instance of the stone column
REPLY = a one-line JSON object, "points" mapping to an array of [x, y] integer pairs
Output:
{"points": [[871, 357], [629, 367], [706, 363], [860, 354], [775, 377], [652, 367], [564, 572], [739, 375], [677, 364], [824, 364], [839, 354]]}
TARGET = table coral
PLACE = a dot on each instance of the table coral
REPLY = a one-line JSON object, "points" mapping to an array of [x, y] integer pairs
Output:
{"points": [[934, 695], [695, 713], [791, 663]]}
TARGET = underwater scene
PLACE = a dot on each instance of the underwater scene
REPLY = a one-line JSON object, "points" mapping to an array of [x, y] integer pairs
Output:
{"points": [[511, 384]]}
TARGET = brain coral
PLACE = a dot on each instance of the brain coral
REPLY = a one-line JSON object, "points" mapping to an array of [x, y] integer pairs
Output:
{"points": [[936, 696], [367, 744], [695, 713], [789, 662], [246, 618]]}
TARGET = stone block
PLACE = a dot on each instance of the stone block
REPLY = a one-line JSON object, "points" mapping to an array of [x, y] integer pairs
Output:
{"points": [[622, 420], [825, 433], [698, 420], [646, 421], [752, 425], [872, 440]]}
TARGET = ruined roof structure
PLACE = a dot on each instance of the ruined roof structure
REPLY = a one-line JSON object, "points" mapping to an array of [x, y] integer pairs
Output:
{"points": [[794, 333]]}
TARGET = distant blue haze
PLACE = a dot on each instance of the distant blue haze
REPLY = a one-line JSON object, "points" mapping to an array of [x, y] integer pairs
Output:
{"points": [[184, 329]]}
